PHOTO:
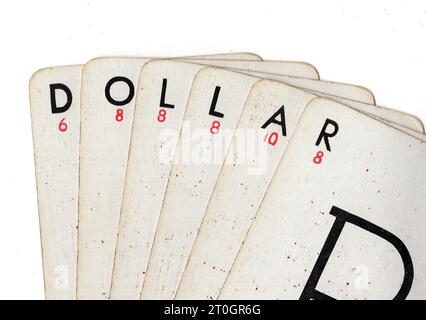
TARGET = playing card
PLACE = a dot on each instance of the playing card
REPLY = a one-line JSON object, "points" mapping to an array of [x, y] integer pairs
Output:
{"points": [[108, 89], [290, 68], [163, 91], [107, 103], [342, 217], [55, 118]]}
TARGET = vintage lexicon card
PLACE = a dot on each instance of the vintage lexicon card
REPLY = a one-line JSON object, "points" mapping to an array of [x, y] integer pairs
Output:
{"points": [[107, 105], [55, 118], [163, 91], [291, 68], [343, 216]]}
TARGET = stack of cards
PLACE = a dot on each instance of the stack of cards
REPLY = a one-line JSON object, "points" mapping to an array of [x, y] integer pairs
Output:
{"points": [[224, 177]]}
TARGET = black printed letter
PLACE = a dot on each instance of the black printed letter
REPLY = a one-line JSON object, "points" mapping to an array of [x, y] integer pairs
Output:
{"points": [[281, 122], [108, 91], [67, 105], [163, 104], [325, 135], [342, 217], [212, 111]]}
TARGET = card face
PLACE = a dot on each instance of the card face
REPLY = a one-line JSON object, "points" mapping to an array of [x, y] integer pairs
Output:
{"points": [[55, 118], [270, 116], [291, 68], [342, 217], [216, 100], [163, 92], [107, 105]]}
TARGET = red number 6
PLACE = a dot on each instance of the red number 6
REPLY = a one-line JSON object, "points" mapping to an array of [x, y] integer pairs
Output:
{"points": [[62, 125]]}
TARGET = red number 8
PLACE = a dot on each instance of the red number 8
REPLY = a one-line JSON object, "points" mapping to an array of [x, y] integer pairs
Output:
{"points": [[162, 115], [214, 129], [119, 116], [318, 157]]}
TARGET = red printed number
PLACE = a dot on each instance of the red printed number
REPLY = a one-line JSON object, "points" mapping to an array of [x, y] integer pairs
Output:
{"points": [[273, 138], [318, 157], [119, 116], [162, 115], [62, 125], [214, 129]]}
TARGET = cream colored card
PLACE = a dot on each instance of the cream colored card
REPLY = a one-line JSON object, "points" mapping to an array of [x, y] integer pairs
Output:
{"points": [[108, 91], [107, 105], [55, 118], [342, 217], [291, 68], [163, 91], [216, 100]]}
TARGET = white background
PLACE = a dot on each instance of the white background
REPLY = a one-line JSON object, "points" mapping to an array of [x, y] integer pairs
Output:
{"points": [[378, 44]]}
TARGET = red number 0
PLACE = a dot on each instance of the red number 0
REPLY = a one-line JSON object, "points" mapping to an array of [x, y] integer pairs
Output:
{"points": [[62, 125], [273, 139], [119, 116], [318, 157], [215, 127]]}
